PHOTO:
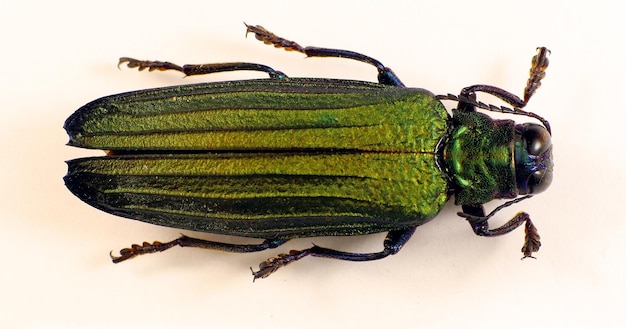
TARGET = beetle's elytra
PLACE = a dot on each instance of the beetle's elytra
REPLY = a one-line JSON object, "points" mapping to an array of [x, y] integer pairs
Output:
{"points": [[282, 158]]}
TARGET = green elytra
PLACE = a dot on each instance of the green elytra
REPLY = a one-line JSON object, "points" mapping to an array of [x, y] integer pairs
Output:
{"points": [[361, 155], [284, 157]]}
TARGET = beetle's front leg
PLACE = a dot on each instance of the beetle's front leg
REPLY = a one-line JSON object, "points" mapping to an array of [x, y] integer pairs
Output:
{"points": [[475, 215], [394, 241], [539, 64], [468, 102]]}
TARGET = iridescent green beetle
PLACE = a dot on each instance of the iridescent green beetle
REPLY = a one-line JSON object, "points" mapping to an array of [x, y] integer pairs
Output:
{"points": [[284, 158]]}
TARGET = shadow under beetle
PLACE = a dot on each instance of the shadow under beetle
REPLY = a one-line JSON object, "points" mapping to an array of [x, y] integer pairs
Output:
{"points": [[284, 158]]}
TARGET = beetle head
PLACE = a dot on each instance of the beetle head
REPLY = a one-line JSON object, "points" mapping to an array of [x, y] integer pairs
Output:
{"points": [[533, 158]]}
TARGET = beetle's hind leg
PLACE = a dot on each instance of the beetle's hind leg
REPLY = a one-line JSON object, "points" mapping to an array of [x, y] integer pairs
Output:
{"points": [[385, 74], [185, 241], [200, 69], [392, 244]]}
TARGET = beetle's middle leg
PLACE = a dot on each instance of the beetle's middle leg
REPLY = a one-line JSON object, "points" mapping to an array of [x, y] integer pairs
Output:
{"points": [[200, 69], [394, 241], [385, 74]]}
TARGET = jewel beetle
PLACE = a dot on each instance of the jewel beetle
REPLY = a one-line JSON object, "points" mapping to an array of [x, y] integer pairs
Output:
{"points": [[281, 158]]}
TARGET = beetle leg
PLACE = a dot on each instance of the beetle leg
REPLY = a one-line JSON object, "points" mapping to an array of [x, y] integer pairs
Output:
{"points": [[394, 241], [199, 69], [475, 215], [538, 67], [539, 64], [468, 102], [467, 97], [185, 241], [504, 95], [385, 74]]}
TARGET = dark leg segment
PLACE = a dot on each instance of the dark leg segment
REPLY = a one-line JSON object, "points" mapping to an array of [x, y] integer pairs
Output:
{"points": [[467, 97], [199, 69], [392, 244], [504, 95], [539, 64], [475, 215], [385, 74], [185, 241], [537, 72]]}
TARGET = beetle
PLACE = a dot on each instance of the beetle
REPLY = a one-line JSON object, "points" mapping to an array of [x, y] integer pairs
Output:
{"points": [[282, 158]]}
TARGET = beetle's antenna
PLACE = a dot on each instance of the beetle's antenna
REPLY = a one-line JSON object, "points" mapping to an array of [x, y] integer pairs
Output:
{"points": [[493, 108]]}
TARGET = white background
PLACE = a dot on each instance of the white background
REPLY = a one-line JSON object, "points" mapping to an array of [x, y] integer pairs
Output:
{"points": [[56, 272]]}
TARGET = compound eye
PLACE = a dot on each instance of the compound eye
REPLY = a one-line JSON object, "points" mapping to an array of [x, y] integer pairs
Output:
{"points": [[533, 159], [539, 181], [536, 138]]}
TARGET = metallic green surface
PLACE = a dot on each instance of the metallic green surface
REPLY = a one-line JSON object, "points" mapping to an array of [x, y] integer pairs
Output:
{"points": [[264, 158], [479, 156], [268, 114]]}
